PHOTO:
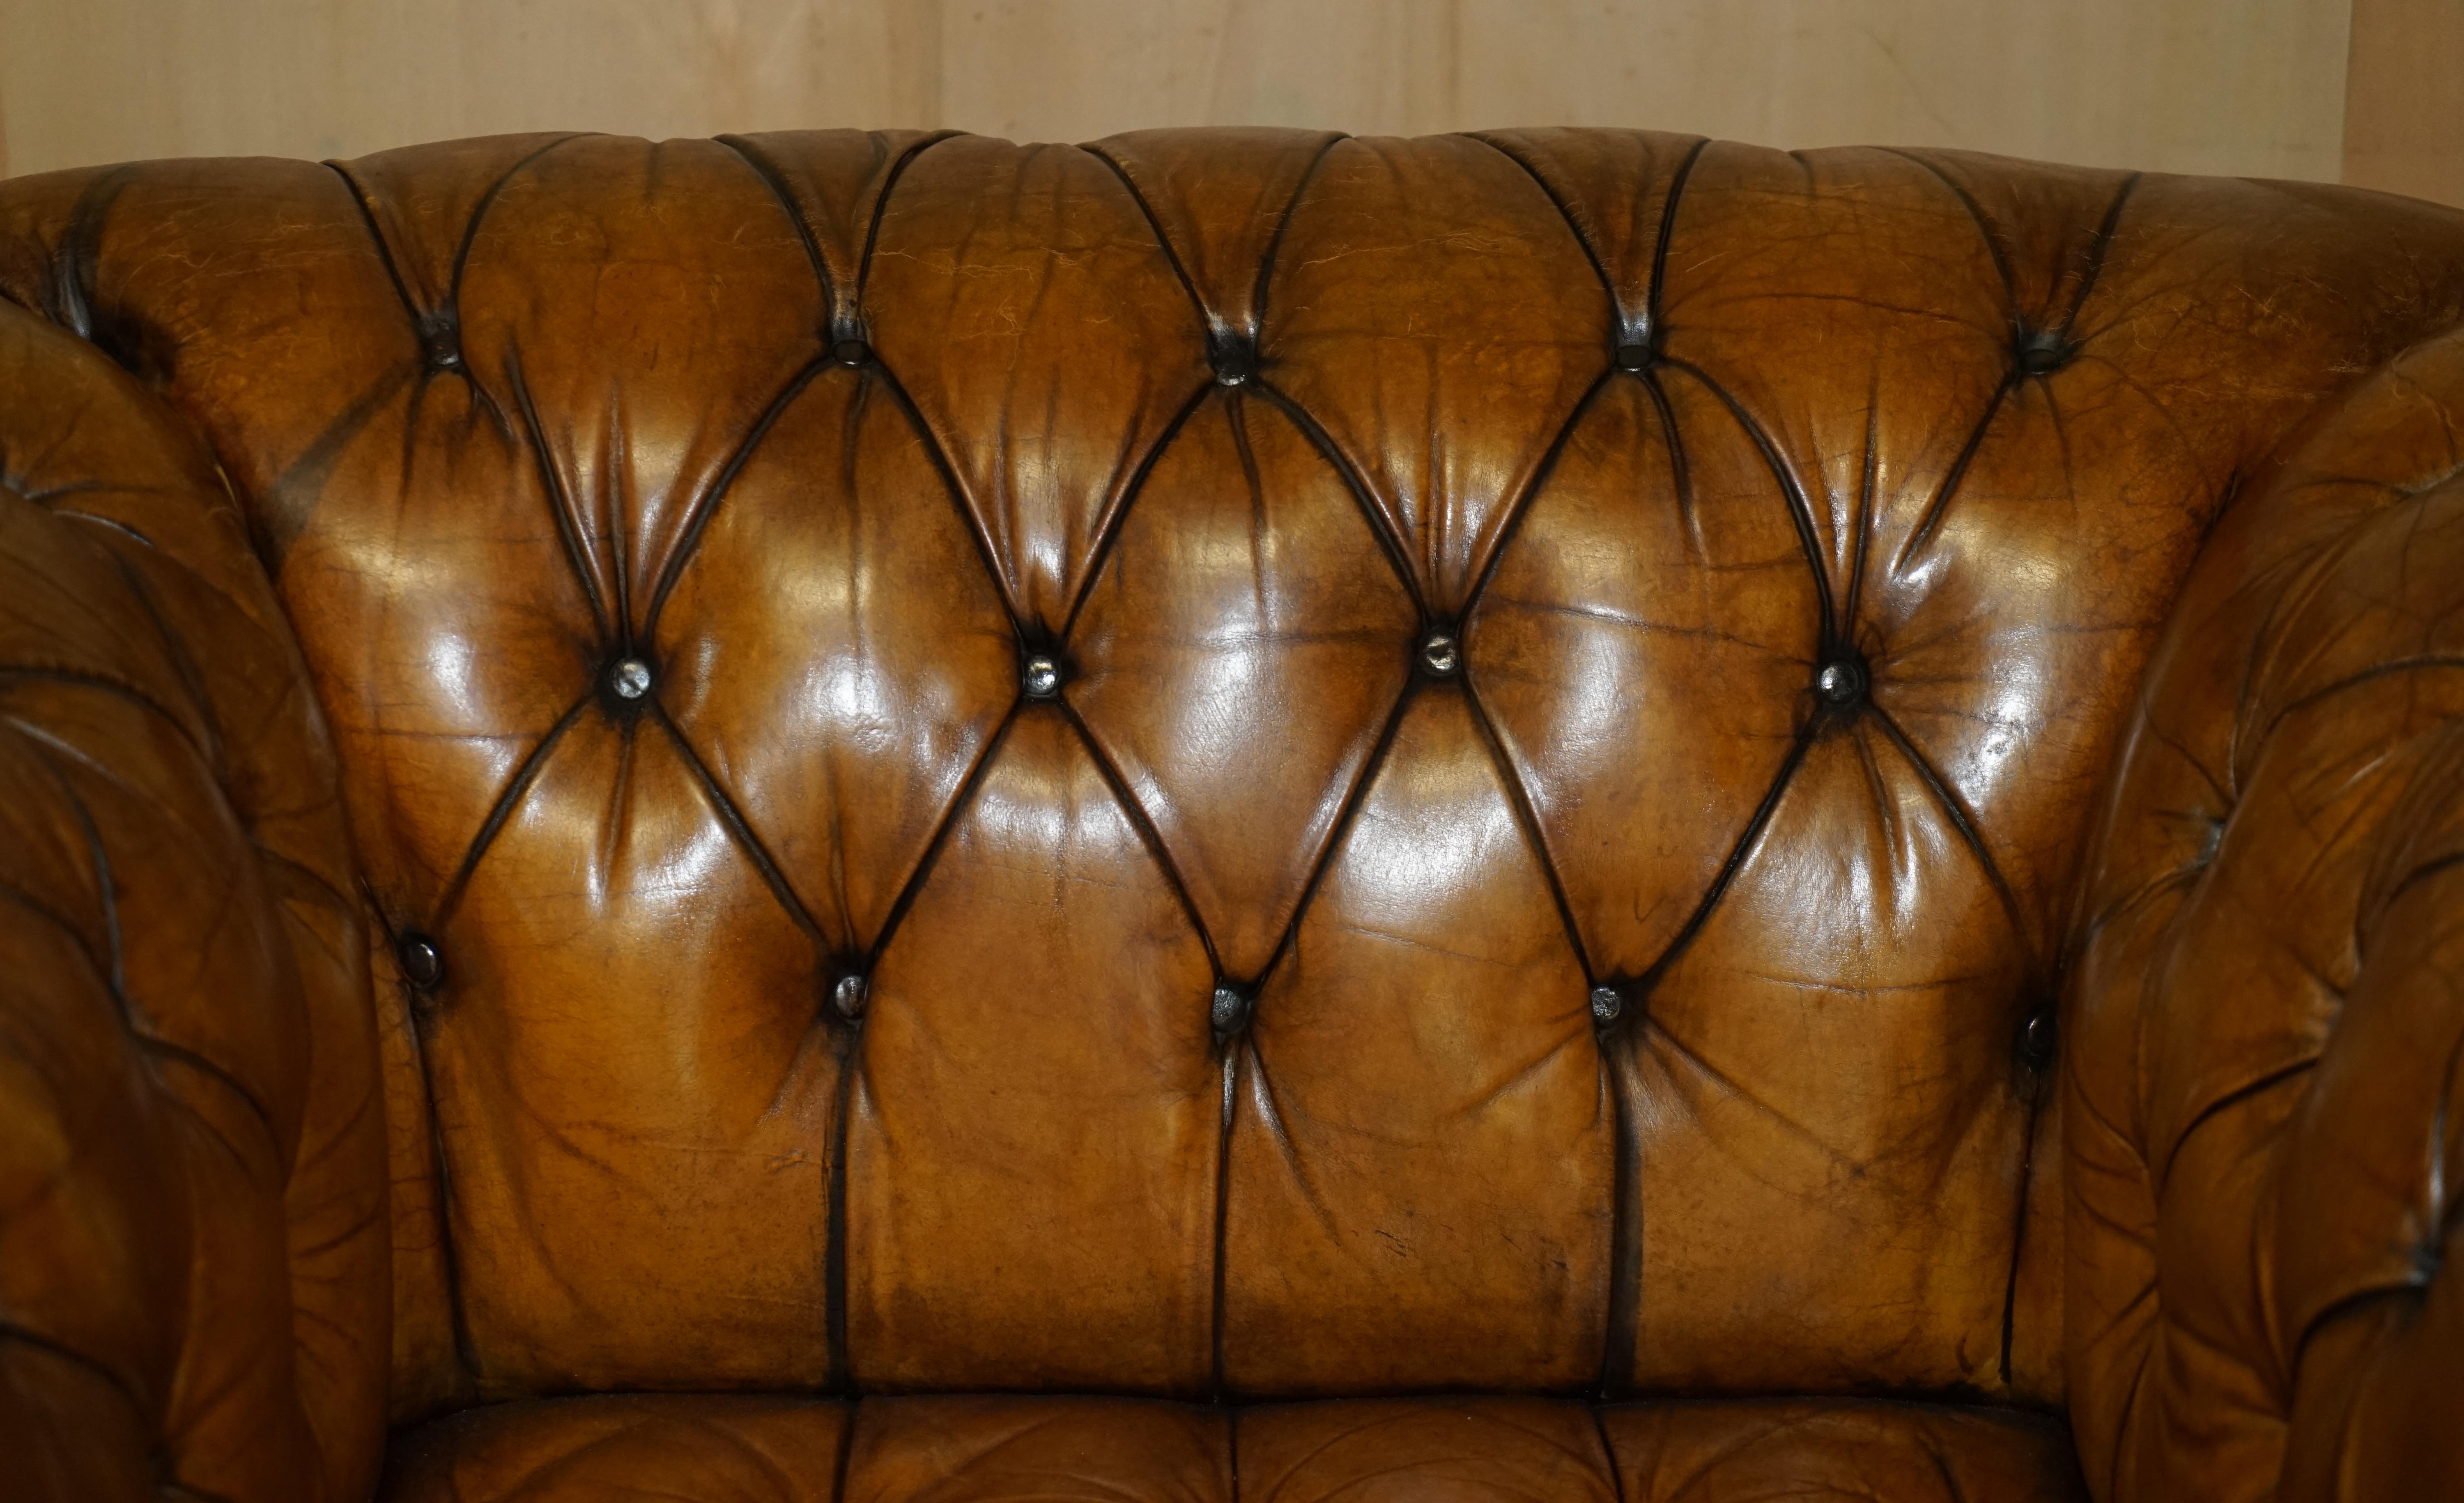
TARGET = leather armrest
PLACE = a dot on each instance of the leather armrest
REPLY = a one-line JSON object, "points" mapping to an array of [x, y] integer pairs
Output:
{"points": [[2264, 1076], [193, 1254]]}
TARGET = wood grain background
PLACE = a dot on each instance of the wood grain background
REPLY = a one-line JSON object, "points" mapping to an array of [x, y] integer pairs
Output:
{"points": [[2373, 89]]}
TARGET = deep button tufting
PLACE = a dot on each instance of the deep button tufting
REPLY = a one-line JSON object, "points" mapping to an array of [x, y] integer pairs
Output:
{"points": [[1841, 681], [847, 995], [2038, 1038], [422, 963], [1234, 361], [1439, 655], [440, 342], [1608, 1005], [1648, 782], [1229, 1010], [2042, 352], [629, 678], [1040, 676]]}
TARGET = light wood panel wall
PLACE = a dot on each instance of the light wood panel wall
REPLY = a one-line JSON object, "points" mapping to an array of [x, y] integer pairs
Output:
{"points": [[2250, 86], [2404, 112]]}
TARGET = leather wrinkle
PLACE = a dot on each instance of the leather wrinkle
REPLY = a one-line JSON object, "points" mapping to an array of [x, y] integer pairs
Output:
{"points": [[881, 205], [1989, 231], [740, 832], [1171, 256], [14, 1334], [985, 552], [1275, 241], [1397, 558], [706, 506], [313, 468], [835, 1254], [1519, 799], [2267, 1081], [466, 1350], [1965, 824], [115, 973], [2310, 699], [605, 628], [508, 800], [767, 170], [376, 239], [1801, 509], [1102, 548], [1140, 821], [1737, 854], [52, 674], [2099, 248], [1921, 534], [115, 970], [2038, 1086], [1235, 1049], [1353, 798], [78, 254], [1608, 1451], [1681, 477], [1590, 252]]}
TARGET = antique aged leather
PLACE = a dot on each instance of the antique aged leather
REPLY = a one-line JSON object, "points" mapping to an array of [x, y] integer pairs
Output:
{"points": [[1236, 813]]}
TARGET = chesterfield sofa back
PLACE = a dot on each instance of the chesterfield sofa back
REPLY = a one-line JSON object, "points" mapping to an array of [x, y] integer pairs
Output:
{"points": [[1231, 814]]}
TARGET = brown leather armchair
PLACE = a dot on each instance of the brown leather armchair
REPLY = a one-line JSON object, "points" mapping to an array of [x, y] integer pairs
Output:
{"points": [[1555, 816]]}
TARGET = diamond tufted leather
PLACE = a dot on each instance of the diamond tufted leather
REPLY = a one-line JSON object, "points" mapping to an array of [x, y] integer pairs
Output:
{"points": [[1558, 813]]}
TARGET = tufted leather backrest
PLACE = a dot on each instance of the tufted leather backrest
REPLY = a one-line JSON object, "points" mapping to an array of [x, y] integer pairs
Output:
{"points": [[1228, 761]]}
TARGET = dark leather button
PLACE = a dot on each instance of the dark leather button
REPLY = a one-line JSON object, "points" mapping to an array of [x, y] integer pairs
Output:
{"points": [[1229, 1010], [1040, 677], [1608, 1005], [1235, 362], [1634, 356], [1841, 681], [2042, 352], [629, 678], [440, 343], [852, 352], [422, 963], [1439, 655], [2039, 1037], [847, 995]]}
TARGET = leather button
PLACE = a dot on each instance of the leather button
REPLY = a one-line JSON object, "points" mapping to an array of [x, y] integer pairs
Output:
{"points": [[1229, 1010], [1841, 681], [848, 996], [2042, 352], [1041, 677], [1634, 356], [852, 352], [440, 343], [2039, 1037], [630, 678], [1439, 655], [1235, 362], [422, 963], [1608, 1005]]}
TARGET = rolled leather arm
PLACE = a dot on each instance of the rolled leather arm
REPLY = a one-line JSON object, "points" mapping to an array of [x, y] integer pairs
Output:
{"points": [[193, 1258], [2265, 1080]]}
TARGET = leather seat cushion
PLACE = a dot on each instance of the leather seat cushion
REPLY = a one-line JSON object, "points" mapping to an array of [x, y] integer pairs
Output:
{"points": [[762, 1449]]}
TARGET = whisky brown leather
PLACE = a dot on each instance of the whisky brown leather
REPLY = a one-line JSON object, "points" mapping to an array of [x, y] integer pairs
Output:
{"points": [[1259, 773]]}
